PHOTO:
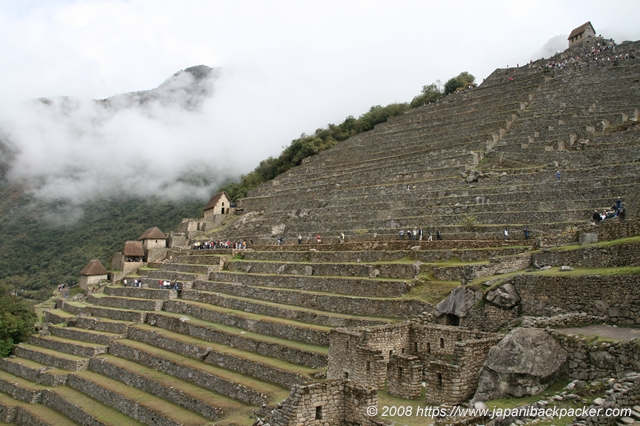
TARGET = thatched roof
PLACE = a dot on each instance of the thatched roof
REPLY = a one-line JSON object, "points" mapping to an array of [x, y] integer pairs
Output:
{"points": [[94, 267], [214, 200], [152, 234], [133, 249], [582, 28]]}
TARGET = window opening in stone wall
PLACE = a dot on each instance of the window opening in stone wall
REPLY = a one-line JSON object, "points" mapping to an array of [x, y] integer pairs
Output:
{"points": [[442, 342], [428, 348], [400, 372], [415, 346], [439, 379], [402, 350], [319, 413], [390, 353], [346, 374], [347, 345], [368, 365]]}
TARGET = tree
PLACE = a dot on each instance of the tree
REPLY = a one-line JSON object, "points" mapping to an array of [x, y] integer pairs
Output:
{"points": [[17, 316], [430, 93], [464, 79]]}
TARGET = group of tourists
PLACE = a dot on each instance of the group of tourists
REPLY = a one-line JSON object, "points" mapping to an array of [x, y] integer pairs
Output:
{"points": [[214, 245], [417, 234], [599, 52], [135, 283], [617, 210], [167, 285]]}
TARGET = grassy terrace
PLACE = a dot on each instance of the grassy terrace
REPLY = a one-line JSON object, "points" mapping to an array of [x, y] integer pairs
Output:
{"points": [[252, 316], [228, 350], [251, 335], [274, 393], [221, 402], [44, 414], [144, 399]]}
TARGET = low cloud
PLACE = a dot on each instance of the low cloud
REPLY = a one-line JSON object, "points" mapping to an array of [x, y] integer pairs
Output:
{"points": [[165, 142]]}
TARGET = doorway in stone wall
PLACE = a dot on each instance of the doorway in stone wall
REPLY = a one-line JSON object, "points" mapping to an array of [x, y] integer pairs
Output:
{"points": [[452, 319]]}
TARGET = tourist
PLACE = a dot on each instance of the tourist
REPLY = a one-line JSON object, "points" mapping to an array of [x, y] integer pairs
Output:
{"points": [[526, 232], [401, 234], [279, 241], [596, 217], [438, 236], [319, 239], [558, 174], [430, 236], [341, 237], [506, 234], [299, 238], [420, 233]]}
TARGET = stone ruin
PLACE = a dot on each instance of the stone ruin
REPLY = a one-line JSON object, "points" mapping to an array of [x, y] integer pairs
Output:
{"points": [[405, 358]]}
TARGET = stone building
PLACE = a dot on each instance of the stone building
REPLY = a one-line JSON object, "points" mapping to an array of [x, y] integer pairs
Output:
{"points": [[581, 33], [128, 261], [406, 357], [92, 274], [154, 243], [218, 205]]}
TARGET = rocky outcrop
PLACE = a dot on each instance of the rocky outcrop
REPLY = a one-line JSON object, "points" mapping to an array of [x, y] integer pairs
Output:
{"points": [[505, 296], [524, 363], [459, 303]]}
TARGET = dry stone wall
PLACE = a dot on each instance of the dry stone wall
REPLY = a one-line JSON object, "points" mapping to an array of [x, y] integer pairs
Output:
{"points": [[332, 402], [402, 356]]}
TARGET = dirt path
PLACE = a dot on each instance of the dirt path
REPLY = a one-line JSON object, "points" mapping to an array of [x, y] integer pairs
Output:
{"points": [[606, 331]]}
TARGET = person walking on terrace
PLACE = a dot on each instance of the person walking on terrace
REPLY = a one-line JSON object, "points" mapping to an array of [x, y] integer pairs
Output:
{"points": [[438, 236], [558, 174], [506, 234], [299, 238], [401, 234], [526, 232]]}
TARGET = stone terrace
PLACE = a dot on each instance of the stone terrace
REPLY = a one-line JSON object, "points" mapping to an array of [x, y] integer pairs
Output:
{"points": [[512, 135]]}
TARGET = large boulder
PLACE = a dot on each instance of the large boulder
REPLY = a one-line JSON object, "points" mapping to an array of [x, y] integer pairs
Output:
{"points": [[505, 297], [460, 301], [524, 363]]}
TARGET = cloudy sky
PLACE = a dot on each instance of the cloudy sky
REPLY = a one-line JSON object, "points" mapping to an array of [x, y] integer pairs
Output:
{"points": [[286, 67]]}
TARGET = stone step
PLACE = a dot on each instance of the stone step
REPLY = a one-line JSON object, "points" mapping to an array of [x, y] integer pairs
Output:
{"points": [[233, 385], [386, 270], [189, 268], [34, 371], [19, 388], [264, 368], [50, 357], [286, 350], [89, 336], [100, 324], [68, 346], [191, 397], [84, 409], [82, 309], [371, 257], [21, 413], [140, 292], [342, 304], [57, 316], [154, 276], [372, 287], [136, 304], [250, 314], [139, 405]]}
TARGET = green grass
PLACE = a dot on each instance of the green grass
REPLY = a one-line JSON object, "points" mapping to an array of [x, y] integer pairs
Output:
{"points": [[252, 335], [431, 291]]}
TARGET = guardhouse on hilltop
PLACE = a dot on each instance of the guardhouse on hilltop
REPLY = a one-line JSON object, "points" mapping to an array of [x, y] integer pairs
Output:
{"points": [[219, 204], [154, 243], [92, 274], [581, 33]]}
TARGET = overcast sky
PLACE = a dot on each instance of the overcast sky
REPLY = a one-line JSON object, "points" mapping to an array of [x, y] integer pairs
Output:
{"points": [[286, 67]]}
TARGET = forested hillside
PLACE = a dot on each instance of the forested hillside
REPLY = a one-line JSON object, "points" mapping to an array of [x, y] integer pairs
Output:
{"points": [[41, 254]]}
